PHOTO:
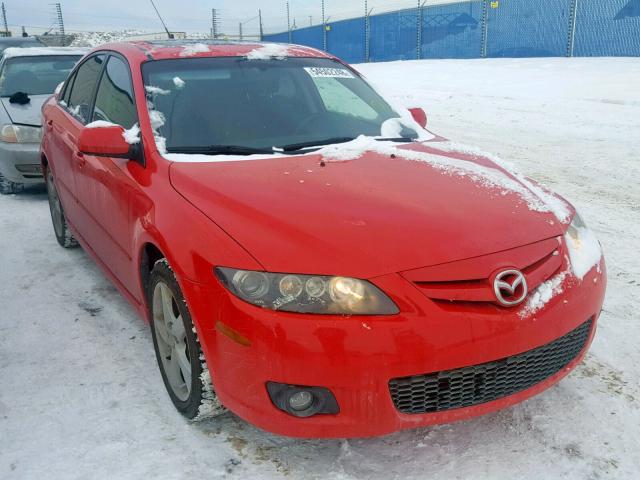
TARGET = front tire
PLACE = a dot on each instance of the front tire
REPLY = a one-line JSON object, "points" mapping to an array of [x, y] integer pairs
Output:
{"points": [[8, 187], [60, 226], [180, 358]]}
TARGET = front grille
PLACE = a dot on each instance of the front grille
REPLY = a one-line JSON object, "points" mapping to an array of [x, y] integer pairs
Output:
{"points": [[470, 283], [464, 387]]}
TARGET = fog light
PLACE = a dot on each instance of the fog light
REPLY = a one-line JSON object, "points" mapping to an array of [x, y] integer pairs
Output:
{"points": [[301, 400]]}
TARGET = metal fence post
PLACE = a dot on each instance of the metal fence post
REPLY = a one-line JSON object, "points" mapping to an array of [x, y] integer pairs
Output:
{"points": [[366, 32], [289, 23], [571, 37], [485, 28], [419, 32]]}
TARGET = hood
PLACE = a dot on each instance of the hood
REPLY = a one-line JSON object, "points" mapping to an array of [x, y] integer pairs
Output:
{"points": [[29, 114], [374, 215]]}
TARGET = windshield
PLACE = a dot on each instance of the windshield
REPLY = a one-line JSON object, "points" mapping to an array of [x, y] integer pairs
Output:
{"points": [[225, 105], [35, 75]]}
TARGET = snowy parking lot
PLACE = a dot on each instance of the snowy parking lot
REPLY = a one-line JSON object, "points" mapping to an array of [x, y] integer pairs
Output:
{"points": [[81, 395]]}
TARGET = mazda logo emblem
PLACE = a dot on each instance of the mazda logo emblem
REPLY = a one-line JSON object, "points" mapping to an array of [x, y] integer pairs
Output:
{"points": [[510, 287]]}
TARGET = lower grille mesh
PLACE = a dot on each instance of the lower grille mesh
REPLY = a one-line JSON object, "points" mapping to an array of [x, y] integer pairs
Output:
{"points": [[464, 387]]}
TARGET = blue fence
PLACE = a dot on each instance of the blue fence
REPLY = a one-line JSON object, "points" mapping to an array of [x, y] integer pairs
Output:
{"points": [[482, 28]]}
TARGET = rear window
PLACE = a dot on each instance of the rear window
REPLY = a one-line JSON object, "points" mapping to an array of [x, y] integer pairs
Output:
{"points": [[35, 75]]}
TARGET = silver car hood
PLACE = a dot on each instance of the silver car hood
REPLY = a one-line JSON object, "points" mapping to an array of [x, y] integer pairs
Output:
{"points": [[28, 114]]}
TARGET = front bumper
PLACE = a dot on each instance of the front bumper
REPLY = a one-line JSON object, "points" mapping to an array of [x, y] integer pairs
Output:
{"points": [[20, 162], [356, 357]]}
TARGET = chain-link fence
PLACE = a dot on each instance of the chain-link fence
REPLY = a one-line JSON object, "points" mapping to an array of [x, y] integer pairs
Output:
{"points": [[481, 28]]}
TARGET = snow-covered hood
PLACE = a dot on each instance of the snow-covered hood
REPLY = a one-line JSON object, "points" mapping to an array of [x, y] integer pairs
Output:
{"points": [[29, 114], [388, 210]]}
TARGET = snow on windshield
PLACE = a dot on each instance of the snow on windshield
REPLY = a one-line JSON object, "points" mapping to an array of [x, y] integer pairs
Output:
{"points": [[156, 90], [179, 83]]}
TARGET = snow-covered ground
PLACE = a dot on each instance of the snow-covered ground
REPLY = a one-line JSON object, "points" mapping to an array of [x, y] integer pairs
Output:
{"points": [[81, 396]]}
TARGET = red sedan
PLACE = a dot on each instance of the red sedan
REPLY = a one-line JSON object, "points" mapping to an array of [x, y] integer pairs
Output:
{"points": [[308, 256]]}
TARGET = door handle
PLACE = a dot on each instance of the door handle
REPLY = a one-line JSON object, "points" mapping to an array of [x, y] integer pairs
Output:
{"points": [[49, 124]]}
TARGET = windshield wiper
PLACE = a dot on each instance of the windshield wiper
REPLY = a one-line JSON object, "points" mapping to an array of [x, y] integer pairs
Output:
{"points": [[397, 139], [317, 143], [221, 150]]}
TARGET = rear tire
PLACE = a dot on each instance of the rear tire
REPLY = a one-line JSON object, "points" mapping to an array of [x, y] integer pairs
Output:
{"points": [[7, 187], [180, 358], [60, 227]]}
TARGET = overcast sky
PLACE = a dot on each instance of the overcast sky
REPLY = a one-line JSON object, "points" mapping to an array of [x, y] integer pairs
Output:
{"points": [[186, 15]]}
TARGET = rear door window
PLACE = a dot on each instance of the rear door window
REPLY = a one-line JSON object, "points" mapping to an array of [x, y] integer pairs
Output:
{"points": [[81, 95], [114, 100]]}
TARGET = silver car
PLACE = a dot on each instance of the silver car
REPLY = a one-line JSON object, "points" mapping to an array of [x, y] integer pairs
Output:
{"points": [[28, 76]]}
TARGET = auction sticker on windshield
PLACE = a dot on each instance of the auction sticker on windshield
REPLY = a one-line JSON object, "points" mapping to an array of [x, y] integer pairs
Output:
{"points": [[324, 72]]}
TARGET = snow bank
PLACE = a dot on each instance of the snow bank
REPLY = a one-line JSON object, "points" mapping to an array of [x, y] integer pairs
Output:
{"points": [[194, 49], [269, 51]]}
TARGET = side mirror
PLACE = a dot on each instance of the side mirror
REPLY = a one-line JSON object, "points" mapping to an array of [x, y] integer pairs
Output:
{"points": [[107, 141], [419, 116]]}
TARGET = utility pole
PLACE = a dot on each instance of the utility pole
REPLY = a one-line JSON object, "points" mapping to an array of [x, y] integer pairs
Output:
{"points": [[289, 23], [215, 22], [60, 20], [4, 20], [260, 20], [240, 30]]}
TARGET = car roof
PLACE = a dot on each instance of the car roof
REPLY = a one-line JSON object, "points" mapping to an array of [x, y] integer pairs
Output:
{"points": [[168, 49], [42, 51]]}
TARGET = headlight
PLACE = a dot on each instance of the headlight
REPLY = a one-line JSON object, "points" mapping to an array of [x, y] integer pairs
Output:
{"points": [[307, 293], [20, 134], [583, 246]]}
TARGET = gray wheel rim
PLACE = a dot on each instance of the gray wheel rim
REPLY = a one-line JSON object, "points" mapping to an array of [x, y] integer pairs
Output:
{"points": [[172, 341], [56, 207]]}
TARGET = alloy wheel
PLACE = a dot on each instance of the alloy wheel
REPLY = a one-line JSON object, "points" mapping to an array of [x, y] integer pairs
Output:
{"points": [[172, 341]]}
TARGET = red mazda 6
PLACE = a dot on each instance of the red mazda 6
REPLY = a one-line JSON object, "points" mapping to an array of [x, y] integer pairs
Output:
{"points": [[308, 256]]}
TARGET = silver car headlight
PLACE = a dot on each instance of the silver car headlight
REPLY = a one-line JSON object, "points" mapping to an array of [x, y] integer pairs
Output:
{"points": [[307, 293], [20, 134]]}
